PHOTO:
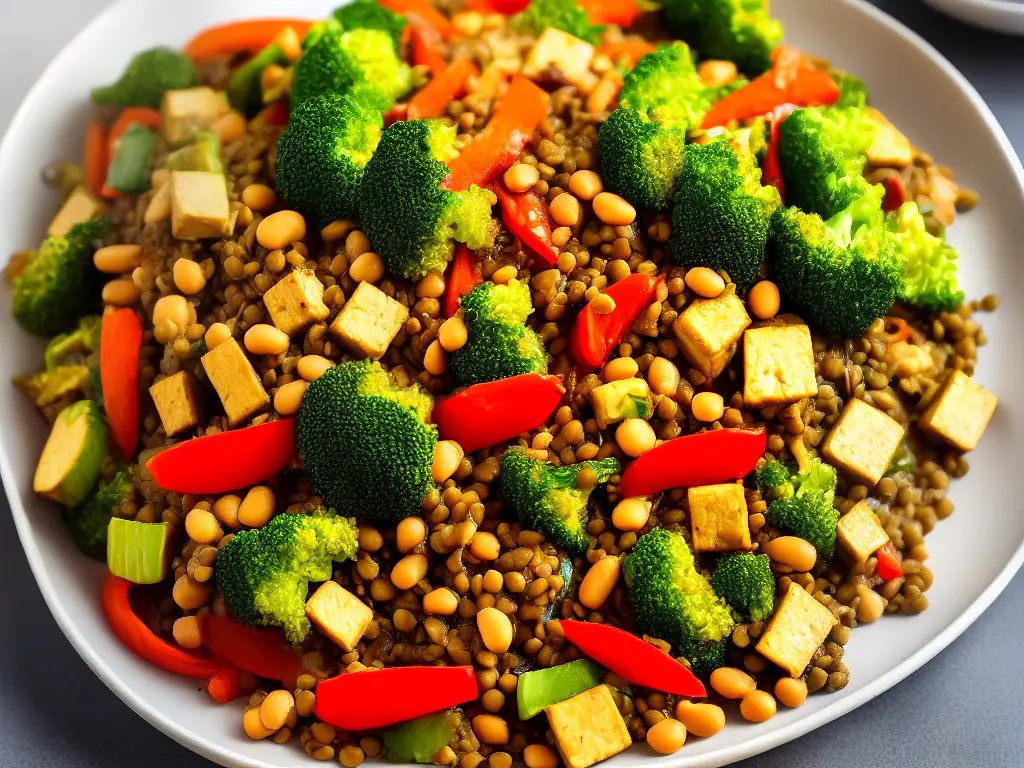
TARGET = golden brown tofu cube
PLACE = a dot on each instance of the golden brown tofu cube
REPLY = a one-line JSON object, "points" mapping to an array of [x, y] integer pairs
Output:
{"points": [[797, 629], [888, 147], [563, 52], [81, 206], [191, 109], [235, 380], [863, 442], [588, 728], [708, 331], [296, 302], [778, 364], [860, 533], [369, 321], [199, 205], [960, 412], [178, 402], [718, 518], [339, 614]]}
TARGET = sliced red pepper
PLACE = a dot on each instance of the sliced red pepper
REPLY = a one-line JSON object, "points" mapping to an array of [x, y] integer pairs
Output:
{"points": [[632, 659], [895, 193], [707, 458], [772, 170], [120, 342], [508, 7], [621, 12], [276, 115], [526, 216], [466, 274], [133, 632], [447, 86], [595, 337], [396, 114], [889, 566], [96, 160], [488, 414], [227, 460], [421, 13], [424, 51], [225, 686], [259, 651]]}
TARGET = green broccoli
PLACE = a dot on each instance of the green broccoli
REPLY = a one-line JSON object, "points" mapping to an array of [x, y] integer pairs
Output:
{"points": [[722, 214], [566, 15], [929, 264], [58, 286], [673, 601], [412, 222], [338, 61], [264, 574], [820, 149], [500, 345], [88, 522], [666, 87], [148, 77], [550, 499], [841, 274], [321, 156], [852, 90], [746, 582], [800, 501], [369, 14], [366, 442], [740, 31], [245, 89]]}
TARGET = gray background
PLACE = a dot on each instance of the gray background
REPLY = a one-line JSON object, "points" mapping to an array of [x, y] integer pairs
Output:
{"points": [[961, 710]]}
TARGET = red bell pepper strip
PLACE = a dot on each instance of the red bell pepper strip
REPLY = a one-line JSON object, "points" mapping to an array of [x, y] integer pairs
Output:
{"points": [[421, 13], [499, 145], [465, 275], [621, 12], [133, 632], [276, 114], [120, 342], [249, 36], [526, 216], [146, 116], [889, 566], [424, 51], [707, 458], [594, 337], [488, 414], [227, 460], [508, 7], [446, 86], [772, 170], [632, 659], [225, 686], [259, 651], [358, 701], [895, 193]]}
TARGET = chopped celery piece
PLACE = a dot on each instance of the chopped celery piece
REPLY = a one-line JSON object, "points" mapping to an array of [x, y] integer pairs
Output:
{"points": [[420, 739], [137, 551], [544, 687]]}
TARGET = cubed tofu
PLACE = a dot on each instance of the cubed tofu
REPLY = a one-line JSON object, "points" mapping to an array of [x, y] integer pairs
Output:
{"points": [[199, 205], [718, 518], [81, 206], [621, 400], [860, 534], [191, 109], [863, 442], [778, 363], [369, 321], [588, 728], [566, 53], [888, 147], [296, 302], [339, 614], [232, 375], [178, 401], [797, 629], [708, 331], [960, 412]]}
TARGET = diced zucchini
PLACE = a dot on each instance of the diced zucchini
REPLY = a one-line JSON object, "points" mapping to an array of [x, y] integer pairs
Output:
{"points": [[543, 687], [621, 400], [417, 741], [71, 458], [138, 552]]}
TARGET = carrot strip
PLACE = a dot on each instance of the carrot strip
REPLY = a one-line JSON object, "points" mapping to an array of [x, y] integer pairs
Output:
{"points": [[628, 53], [425, 54], [434, 98], [421, 12], [250, 36], [95, 160], [621, 12]]}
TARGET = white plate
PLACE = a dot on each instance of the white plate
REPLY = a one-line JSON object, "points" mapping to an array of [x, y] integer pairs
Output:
{"points": [[974, 553], [1005, 16]]}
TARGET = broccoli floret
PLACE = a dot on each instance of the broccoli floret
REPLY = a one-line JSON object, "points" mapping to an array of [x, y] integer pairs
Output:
{"points": [[549, 499], [672, 600], [722, 214], [736, 30], [566, 15], [800, 502], [369, 14], [366, 442], [852, 90], [929, 264], [411, 221], [338, 61], [148, 77], [666, 87], [58, 286], [746, 582], [321, 156], [88, 522], [819, 150], [78, 344], [500, 345], [841, 274], [264, 574]]}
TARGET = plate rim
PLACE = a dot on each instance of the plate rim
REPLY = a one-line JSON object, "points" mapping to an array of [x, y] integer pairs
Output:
{"points": [[727, 755]]}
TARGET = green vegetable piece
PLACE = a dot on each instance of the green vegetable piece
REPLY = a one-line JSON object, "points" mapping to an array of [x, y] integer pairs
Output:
{"points": [[202, 153], [621, 400], [903, 461], [801, 503], [245, 89], [369, 14], [641, 160], [129, 169], [89, 521], [148, 77], [543, 687], [852, 90], [417, 741], [747, 583], [929, 264], [71, 458], [566, 15], [138, 552], [83, 341], [741, 31]]}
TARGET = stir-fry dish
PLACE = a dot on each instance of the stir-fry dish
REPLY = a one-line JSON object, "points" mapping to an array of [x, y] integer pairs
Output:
{"points": [[498, 381]]}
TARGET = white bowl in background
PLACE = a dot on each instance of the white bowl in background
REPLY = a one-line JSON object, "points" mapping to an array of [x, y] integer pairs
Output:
{"points": [[1006, 16], [974, 553]]}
